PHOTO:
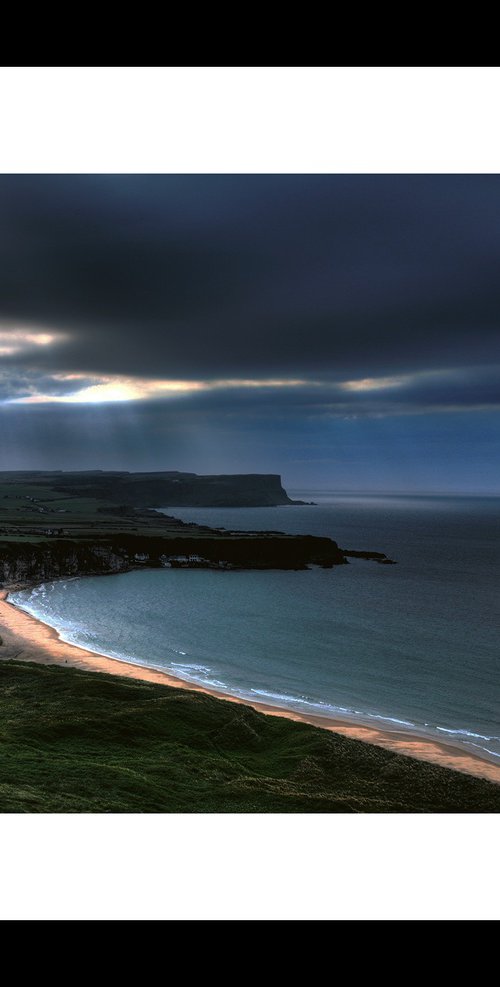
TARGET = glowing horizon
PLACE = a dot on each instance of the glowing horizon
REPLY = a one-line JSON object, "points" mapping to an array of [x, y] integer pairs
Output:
{"points": [[111, 389]]}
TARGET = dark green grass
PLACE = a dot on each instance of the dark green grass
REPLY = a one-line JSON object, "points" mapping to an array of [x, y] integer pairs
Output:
{"points": [[73, 741]]}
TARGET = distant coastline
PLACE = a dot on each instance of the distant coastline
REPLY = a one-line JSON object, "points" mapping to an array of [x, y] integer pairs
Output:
{"points": [[66, 524], [169, 488]]}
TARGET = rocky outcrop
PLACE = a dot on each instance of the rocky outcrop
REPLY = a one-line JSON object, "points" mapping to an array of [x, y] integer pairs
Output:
{"points": [[31, 563], [379, 557]]}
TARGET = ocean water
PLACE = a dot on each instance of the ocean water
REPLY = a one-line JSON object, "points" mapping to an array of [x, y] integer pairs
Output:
{"points": [[413, 646]]}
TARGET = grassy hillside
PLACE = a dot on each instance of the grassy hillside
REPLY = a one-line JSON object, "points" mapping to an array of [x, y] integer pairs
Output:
{"points": [[75, 741]]}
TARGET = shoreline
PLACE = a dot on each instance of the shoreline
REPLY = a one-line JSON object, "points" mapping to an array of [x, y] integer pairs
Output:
{"points": [[28, 638]]}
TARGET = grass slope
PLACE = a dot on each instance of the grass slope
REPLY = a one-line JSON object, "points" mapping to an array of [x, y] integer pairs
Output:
{"points": [[73, 741]]}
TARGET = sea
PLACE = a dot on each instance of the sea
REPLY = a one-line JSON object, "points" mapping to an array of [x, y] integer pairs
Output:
{"points": [[413, 646]]}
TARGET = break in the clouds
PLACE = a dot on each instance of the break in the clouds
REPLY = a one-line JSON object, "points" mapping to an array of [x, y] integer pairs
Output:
{"points": [[251, 312], [413, 393]]}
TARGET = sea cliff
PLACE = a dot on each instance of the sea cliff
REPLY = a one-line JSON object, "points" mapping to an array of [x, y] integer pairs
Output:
{"points": [[29, 562], [164, 489]]}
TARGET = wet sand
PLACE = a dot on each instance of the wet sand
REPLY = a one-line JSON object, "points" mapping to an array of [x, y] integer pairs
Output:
{"points": [[27, 639]]}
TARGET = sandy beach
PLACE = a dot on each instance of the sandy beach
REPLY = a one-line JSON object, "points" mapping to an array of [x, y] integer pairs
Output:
{"points": [[27, 639]]}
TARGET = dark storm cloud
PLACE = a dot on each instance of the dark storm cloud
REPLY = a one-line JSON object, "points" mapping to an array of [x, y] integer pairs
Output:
{"points": [[212, 276], [380, 295]]}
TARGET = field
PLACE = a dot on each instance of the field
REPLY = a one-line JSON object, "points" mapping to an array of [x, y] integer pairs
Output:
{"points": [[31, 511]]}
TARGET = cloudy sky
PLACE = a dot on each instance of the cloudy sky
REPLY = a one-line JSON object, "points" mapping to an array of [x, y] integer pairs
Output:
{"points": [[340, 330]]}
